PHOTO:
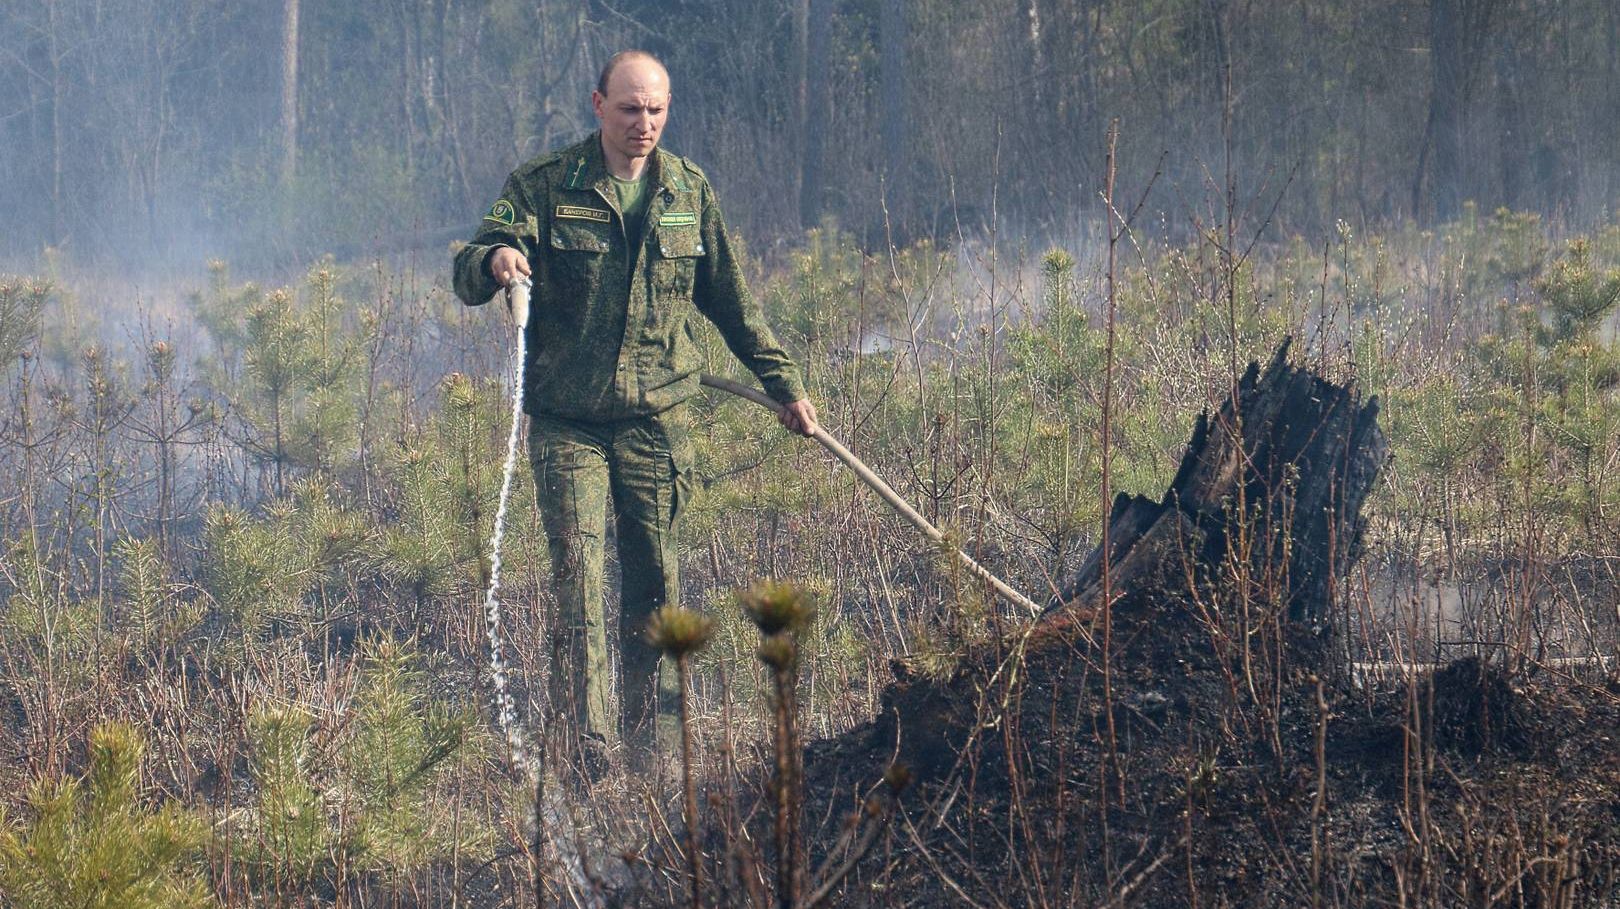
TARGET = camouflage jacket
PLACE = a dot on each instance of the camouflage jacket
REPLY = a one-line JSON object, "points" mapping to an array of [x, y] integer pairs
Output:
{"points": [[610, 321]]}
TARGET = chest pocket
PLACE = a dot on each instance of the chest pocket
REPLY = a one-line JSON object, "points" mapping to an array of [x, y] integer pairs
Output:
{"points": [[680, 248], [576, 235], [581, 249]]}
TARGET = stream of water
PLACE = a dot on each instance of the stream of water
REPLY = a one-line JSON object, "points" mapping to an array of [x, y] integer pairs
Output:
{"points": [[505, 707]]}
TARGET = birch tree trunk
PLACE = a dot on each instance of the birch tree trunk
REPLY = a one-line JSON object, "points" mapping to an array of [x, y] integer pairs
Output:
{"points": [[58, 99], [289, 89], [896, 169], [818, 50]]}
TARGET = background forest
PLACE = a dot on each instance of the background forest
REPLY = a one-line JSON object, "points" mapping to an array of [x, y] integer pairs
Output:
{"points": [[251, 444], [171, 131]]}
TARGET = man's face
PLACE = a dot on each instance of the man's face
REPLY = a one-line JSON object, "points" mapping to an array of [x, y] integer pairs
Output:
{"points": [[633, 111]]}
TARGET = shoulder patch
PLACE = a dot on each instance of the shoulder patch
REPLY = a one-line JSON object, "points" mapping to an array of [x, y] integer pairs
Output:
{"points": [[583, 213], [502, 212]]}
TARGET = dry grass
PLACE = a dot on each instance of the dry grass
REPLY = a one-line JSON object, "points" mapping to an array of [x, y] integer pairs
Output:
{"points": [[204, 523]]}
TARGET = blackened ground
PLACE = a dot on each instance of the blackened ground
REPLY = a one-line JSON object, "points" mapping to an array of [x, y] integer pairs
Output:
{"points": [[1462, 788]]}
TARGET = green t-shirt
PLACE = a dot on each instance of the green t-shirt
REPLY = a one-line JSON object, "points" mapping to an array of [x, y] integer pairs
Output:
{"points": [[632, 198]]}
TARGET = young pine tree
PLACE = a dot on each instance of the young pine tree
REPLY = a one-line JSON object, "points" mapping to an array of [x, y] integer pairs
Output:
{"points": [[90, 843]]}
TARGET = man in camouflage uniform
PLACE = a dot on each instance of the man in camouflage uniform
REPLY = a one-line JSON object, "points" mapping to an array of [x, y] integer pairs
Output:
{"points": [[625, 244]]}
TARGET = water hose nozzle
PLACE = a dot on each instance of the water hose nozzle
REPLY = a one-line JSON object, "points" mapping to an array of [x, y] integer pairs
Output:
{"points": [[517, 300]]}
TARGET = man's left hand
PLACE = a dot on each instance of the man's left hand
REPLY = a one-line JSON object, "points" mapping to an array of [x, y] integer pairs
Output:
{"points": [[800, 417]]}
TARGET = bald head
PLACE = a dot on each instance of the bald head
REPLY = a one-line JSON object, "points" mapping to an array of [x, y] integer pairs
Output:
{"points": [[631, 102], [647, 61]]}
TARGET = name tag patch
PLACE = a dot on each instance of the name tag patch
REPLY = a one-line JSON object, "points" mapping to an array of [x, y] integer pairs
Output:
{"points": [[584, 214], [677, 218]]}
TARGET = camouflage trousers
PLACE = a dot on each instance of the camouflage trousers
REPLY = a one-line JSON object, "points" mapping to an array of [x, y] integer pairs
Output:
{"points": [[644, 465]]}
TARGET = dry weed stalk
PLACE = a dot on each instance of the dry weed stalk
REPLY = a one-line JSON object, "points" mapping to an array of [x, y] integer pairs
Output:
{"points": [[679, 633], [781, 612]]}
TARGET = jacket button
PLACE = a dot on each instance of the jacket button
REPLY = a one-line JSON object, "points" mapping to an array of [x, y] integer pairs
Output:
{"points": [[700, 247], [668, 197], [664, 250]]}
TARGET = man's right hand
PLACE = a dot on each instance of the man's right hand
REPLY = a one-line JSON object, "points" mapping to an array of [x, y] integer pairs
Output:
{"points": [[506, 265]]}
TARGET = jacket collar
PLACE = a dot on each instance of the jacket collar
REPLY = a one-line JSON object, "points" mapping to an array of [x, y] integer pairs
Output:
{"points": [[587, 167]]}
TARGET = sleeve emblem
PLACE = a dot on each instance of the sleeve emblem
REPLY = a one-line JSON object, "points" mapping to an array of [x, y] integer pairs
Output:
{"points": [[502, 212]]}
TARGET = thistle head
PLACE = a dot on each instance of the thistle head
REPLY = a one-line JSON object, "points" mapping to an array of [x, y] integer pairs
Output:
{"points": [[679, 631], [777, 607], [898, 777], [778, 651]]}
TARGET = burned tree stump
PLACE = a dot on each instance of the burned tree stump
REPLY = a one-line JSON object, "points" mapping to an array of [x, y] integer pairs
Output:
{"points": [[1274, 482]]}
